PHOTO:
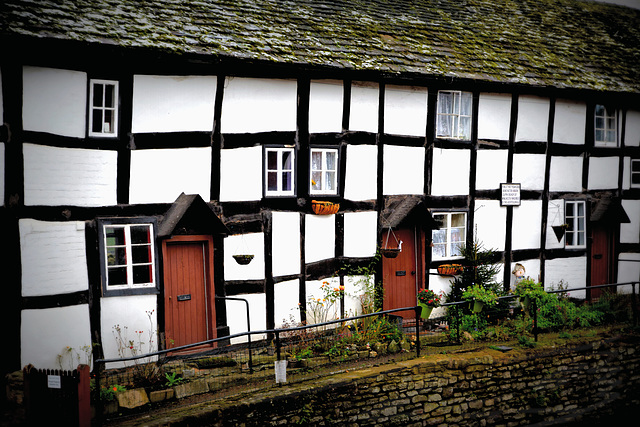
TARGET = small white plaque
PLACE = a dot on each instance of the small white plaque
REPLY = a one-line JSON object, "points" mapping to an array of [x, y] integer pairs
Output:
{"points": [[510, 194], [54, 381]]}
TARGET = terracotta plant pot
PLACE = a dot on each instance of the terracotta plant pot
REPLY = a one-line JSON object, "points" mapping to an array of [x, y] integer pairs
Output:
{"points": [[449, 269], [324, 208]]}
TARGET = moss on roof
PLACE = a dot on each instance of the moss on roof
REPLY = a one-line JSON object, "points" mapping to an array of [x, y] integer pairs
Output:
{"points": [[558, 43]]}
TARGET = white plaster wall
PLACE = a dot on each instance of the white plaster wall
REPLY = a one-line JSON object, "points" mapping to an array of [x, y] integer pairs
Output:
{"points": [[129, 313], [632, 129], [45, 333], [630, 232], [405, 110], [533, 118], [361, 175], [320, 237], [628, 271], [353, 294], [529, 171], [53, 256], [326, 98], [159, 176], [494, 116], [364, 107], [450, 172], [490, 222], [2, 171], [237, 316], [69, 176], [531, 270], [173, 103], [403, 170], [240, 174], [258, 105], [626, 173], [526, 225], [491, 169], [54, 101], [569, 122], [360, 231], [603, 173], [243, 244], [286, 302], [285, 243], [555, 216], [572, 271], [314, 291], [565, 174]]}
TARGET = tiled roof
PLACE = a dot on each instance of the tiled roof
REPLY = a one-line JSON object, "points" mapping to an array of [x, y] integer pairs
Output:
{"points": [[558, 43]]}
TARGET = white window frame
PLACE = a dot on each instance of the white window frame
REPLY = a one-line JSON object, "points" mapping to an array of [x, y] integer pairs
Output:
{"points": [[448, 243], [608, 118], [454, 115], [109, 128], [280, 170], [634, 173], [326, 174], [129, 288], [575, 237]]}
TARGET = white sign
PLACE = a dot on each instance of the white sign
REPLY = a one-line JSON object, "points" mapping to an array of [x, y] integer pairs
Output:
{"points": [[510, 194], [54, 381]]}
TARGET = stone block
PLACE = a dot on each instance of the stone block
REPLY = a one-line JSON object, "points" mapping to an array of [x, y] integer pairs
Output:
{"points": [[130, 399]]}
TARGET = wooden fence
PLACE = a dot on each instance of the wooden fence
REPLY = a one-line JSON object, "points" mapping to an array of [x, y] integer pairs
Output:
{"points": [[57, 397]]}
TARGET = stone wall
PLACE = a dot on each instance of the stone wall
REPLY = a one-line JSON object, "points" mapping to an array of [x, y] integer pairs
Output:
{"points": [[557, 385]]}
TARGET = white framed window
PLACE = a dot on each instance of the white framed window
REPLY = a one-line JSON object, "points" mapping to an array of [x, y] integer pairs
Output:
{"points": [[323, 171], [635, 173], [450, 236], [128, 256], [454, 114], [103, 108], [574, 217], [279, 171], [606, 133]]}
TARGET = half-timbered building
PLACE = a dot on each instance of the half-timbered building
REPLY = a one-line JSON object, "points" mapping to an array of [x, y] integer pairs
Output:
{"points": [[146, 143]]}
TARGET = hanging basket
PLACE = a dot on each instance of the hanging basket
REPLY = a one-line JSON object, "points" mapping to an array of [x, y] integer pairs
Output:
{"points": [[324, 208], [426, 310], [477, 306], [449, 269], [559, 230], [390, 252], [243, 259]]}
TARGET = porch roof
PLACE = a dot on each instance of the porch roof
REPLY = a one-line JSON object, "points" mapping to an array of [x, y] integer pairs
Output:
{"points": [[546, 43]]}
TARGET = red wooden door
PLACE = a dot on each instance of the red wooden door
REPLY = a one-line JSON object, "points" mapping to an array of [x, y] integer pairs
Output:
{"points": [[188, 290], [400, 275], [601, 258]]}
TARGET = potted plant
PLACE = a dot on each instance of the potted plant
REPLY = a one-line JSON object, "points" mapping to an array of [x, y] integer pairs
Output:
{"points": [[449, 269], [480, 297], [243, 259], [324, 208], [527, 291], [559, 230], [427, 300]]}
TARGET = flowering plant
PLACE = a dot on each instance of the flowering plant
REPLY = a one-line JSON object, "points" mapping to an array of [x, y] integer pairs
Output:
{"points": [[428, 297], [480, 293]]}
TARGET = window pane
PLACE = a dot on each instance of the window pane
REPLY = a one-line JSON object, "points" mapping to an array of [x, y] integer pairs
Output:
{"points": [[599, 122], [331, 179], [286, 181], [141, 254], [142, 274], [272, 160], [580, 207], [439, 236], [316, 180], [115, 236], [109, 95], [438, 250], [140, 234], [445, 103], [456, 249], [331, 160], [465, 105], [444, 126], [117, 276], [108, 122], [117, 256], [599, 110], [569, 209], [635, 165], [96, 121], [316, 160], [569, 239], [441, 220], [458, 220], [611, 136], [97, 95], [272, 181], [287, 160], [599, 135], [465, 128]]}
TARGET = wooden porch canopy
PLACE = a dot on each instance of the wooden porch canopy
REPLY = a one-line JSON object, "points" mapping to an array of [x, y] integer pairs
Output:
{"points": [[190, 214], [407, 210]]}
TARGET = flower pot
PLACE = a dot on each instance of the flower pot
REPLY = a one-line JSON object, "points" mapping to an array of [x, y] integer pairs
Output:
{"points": [[390, 252], [477, 306], [559, 231], [243, 259], [324, 208], [426, 310], [449, 269]]}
